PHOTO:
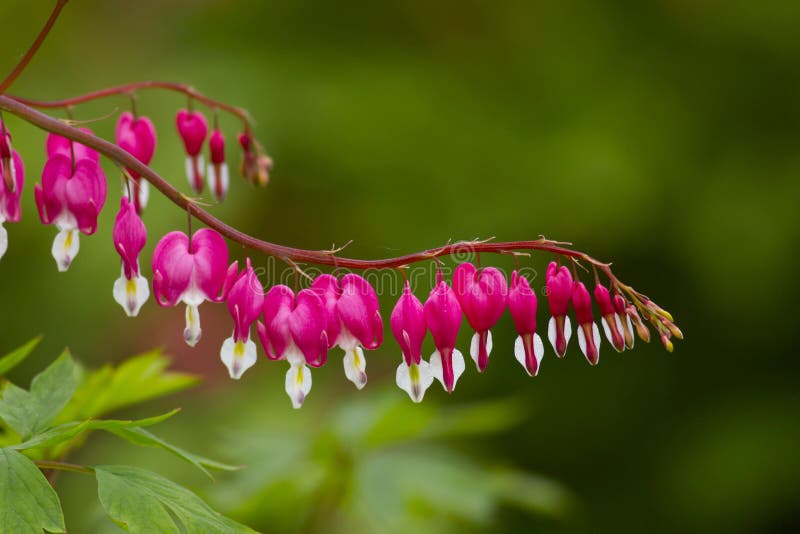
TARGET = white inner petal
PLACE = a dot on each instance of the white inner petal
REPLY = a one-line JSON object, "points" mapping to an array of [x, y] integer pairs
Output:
{"points": [[355, 366], [192, 331], [630, 329], [131, 294], [65, 248], [437, 370], [414, 379], [238, 356], [473, 345], [298, 383], [538, 352]]}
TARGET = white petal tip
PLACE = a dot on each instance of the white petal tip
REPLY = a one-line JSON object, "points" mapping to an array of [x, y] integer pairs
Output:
{"points": [[238, 356]]}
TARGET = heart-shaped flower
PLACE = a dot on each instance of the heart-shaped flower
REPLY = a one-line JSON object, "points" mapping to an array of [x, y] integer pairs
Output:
{"points": [[71, 196], [482, 296], [190, 272], [443, 319], [294, 330], [137, 136]]}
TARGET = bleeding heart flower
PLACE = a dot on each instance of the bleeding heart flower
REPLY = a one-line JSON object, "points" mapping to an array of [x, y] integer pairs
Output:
{"points": [[131, 289], [137, 136], [482, 296], [71, 196], [408, 326], [190, 272], [528, 347], [443, 319], [362, 325], [558, 283], [218, 179], [612, 323], [588, 333], [12, 179], [245, 302], [294, 330], [193, 128]]}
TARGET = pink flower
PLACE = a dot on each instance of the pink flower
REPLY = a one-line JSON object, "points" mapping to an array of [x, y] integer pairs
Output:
{"points": [[71, 196], [627, 326], [138, 137], [443, 319], [218, 179], [528, 347], [362, 325], [190, 272], [612, 323], [558, 282], [482, 296], [588, 333], [294, 330], [245, 302], [12, 179], [130, 289], [408, 326], [193, 128]]}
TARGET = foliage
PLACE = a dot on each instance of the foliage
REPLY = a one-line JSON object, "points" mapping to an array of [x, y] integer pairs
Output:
{"points": [[42, 425]]}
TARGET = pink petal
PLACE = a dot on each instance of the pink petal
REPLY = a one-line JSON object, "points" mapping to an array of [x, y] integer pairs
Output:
{"points": [[408, 325], [274, 331], [210, 261], [307, 325], [359, 311], [193, 128], [327, 287], [172, 268], [522, 304]]}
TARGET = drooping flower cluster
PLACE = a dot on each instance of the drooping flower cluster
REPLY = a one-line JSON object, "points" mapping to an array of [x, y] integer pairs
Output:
{"points": [[301, 326]]}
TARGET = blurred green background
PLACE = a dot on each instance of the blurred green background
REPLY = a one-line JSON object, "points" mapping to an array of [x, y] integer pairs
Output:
{"points": [[661, 135]]}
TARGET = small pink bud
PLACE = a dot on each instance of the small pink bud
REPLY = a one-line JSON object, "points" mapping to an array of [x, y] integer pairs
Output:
{"points": [[627, 326], [588, 333], [218, 179], [482, 296], [522, 303]]}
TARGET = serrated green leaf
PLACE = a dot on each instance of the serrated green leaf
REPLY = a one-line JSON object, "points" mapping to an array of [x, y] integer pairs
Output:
{"points": [[28, 504], [143, 501], [68, 431], [142, 437], [11, 360], [30, 412], [133, 381]]}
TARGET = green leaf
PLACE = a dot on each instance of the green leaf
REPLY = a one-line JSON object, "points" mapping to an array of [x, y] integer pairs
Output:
{"points": [[28, 504], [30, 412], [532, 492], [143, 501], [140, 436], [68, 431], [12, 359], [133, 381]]}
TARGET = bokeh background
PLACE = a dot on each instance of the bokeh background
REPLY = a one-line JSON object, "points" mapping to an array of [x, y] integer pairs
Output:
{"points": [[661, 135]]}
